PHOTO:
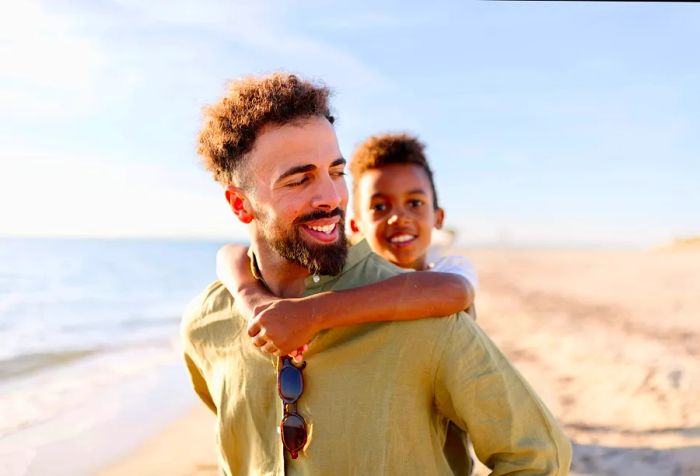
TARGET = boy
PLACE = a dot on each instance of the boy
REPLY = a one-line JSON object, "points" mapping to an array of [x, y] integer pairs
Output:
{"points": [[395, 209]]}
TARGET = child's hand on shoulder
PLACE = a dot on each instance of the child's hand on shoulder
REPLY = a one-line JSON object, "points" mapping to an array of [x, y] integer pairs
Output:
{"points": [[283, 326]]}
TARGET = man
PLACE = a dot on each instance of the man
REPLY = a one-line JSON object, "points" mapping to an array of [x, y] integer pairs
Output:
{"points": [[373, 398]]}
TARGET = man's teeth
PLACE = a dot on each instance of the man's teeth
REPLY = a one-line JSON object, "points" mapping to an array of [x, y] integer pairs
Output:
{"points": [[401, 238], [323, 229]]}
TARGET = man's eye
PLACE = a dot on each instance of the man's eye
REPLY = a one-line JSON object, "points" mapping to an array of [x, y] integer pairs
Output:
{"points": [[301, 181], [339, 174]]}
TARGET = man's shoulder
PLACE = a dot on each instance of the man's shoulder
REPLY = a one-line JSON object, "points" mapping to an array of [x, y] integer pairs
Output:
{"points": [[370, 269], [213, 298], [210, 310], [458, 323]]}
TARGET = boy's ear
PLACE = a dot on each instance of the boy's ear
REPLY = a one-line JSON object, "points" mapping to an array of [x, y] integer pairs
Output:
{"points": [[239, 204], [439, 217], [353, 226]]}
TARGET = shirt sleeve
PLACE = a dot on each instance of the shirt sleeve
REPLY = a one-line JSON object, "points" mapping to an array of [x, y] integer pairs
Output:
{"points": [[479, 389], [457, 264], [193, 359], [199, 383]]}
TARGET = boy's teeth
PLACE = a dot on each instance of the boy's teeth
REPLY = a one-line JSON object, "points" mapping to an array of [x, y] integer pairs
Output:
{"points": [[323, 229], [401, 238]]}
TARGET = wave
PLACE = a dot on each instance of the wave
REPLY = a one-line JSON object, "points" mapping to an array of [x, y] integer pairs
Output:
{"points": [[142, 322], [29, 363], [25, 364], [30, 400], [124, 324]]}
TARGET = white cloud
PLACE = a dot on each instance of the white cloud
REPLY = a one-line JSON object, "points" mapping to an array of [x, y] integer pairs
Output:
{"points": [[46, 67], [263, 26], [61, 63]]}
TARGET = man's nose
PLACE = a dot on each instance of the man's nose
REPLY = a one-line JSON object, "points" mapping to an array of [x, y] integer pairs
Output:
{"points": [[329, 194]]}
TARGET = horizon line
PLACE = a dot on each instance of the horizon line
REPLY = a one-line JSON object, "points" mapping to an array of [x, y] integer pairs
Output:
{"points": [[496, 243]]}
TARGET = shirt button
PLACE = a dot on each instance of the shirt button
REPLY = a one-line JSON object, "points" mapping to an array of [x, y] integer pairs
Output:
{"points": [[316, 278]]}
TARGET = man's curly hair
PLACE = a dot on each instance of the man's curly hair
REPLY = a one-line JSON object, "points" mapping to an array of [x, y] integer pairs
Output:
{"points": [[386, 149], [232, 125]]}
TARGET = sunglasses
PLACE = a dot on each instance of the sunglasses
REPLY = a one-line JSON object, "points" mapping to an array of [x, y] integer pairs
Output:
{"points": [[290, 386]]}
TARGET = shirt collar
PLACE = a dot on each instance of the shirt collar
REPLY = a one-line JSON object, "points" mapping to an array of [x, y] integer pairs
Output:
{"points": [[356, 253]]}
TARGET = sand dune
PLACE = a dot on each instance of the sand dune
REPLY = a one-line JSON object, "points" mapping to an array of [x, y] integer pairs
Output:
{"points": [[681, 244]]}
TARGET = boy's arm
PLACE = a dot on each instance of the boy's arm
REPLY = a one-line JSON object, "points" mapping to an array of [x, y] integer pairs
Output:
{"points": [[233, 270], [284, 325], [290, 323], [407, 296], [457, 264], [462, 266]]}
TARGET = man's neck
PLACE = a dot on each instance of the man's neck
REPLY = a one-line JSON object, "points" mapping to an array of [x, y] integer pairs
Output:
{"points": [[284, 279]]}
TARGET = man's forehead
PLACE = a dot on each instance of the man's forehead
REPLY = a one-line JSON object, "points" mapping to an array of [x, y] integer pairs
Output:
{"points": [[280, 147]]}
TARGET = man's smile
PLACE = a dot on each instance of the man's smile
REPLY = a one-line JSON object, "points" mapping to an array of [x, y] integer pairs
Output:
{"points": [[324, 230]]}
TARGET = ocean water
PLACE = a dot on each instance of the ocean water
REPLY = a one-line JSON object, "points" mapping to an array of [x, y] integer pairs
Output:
{"points": [[82, 319]]}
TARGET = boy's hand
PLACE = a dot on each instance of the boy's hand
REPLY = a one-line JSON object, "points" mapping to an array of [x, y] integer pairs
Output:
{"points": [[283, 326]]}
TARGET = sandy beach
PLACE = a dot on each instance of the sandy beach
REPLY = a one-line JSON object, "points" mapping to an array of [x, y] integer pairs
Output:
{"points": [[609, 339]]}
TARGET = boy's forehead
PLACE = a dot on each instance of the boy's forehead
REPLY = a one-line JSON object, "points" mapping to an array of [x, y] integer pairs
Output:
{"points": [[394, 179]]}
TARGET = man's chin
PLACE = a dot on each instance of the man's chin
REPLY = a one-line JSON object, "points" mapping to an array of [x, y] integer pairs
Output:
{"points": [[328, 258], [317, 257]]}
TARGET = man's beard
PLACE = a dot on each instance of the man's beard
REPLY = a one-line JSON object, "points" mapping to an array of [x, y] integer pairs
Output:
{"points": [[326, 259]]}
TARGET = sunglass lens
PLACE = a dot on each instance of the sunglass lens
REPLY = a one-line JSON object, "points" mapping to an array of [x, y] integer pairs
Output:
{"points": [[293, 433], [291, 384]]}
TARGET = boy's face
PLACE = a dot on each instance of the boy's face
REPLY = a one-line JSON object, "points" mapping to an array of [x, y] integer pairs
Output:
{"points": [[395, 213]]}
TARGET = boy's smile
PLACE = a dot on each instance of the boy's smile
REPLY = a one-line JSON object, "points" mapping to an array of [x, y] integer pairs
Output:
{"points": [[395, 213]]}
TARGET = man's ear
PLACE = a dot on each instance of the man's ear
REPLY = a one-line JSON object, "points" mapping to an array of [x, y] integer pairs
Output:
{"points": [[439, 217], [239, 203]]}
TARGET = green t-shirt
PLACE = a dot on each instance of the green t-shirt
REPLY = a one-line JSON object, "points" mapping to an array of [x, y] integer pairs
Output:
{"points": [[377, 397]]}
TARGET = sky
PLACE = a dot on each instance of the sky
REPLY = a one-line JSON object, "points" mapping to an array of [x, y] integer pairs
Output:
{"points": [[570, 123]]}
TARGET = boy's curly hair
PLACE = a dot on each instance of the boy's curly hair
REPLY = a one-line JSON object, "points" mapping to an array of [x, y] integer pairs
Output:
{"points": [[380, 150], [233, 123]]}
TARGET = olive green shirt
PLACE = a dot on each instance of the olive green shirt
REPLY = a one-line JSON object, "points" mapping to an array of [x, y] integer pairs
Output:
{"points": [[377, 397]]}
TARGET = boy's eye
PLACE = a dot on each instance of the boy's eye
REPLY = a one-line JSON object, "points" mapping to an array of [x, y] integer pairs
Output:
{"points": [[378, 207], [416, 202]]}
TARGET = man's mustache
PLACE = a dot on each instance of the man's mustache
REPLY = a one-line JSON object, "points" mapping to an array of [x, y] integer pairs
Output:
{"points": [[319, 214]]}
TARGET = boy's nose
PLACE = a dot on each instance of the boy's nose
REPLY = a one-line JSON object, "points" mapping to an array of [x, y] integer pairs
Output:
{"points": [[397, 219]]}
